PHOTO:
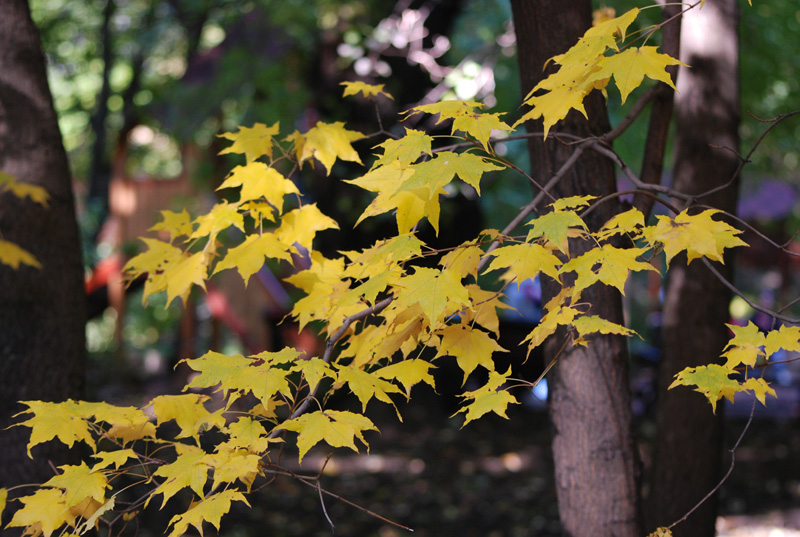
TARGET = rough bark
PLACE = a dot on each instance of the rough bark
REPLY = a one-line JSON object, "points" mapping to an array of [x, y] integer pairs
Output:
{"points": [[593, 446], [41, 311], [688, 449]]}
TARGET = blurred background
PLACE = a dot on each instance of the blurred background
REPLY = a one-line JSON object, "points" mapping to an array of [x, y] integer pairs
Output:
{"points": [[143, 88]]}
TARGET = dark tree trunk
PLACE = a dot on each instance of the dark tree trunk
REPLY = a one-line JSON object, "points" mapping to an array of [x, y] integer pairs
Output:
{"points": [[41, 310], [593, 445], [688, 448]]}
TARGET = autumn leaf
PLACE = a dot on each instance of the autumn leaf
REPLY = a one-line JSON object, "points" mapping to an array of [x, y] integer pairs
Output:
{"points": [[607, 264], [488, 398], [786, 338], [470, 346], [23, 190], [405, 150], [14, 256], [79, 482], [714, 382], [116, 458], [551, 320], [592, 324], [630, 66], [367, 90], [249, 257], [188, 412], [446, 109], [233, 464], [44, 508], [64, 421], [300, 226], [176, 224], [481, 126], [745, 347], [337, 428], [365, 386], [253, 142], [525, 261], [484, 308], [408, 373], [326, 142], [222, 216], [434, 290], [208, 509], [556, 227], [157, 255], [188, 470], [699, 235], [257, 181], [630, 222]]}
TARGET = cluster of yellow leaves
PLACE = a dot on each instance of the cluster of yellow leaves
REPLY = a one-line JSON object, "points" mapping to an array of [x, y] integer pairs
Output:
{"points": [[588, 66], [12, 254]]}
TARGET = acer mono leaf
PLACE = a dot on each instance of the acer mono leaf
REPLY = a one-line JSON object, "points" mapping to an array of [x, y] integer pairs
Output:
{"points": [[22, 190], [79, 482], [14, 256], [699, 235], [176, 224], [64, 421], [327, 142], [405, 150], [189, 469], [367, 90], [489, 398], [436, 291], [254, 142], [208, 509], [714, 382], [188, 411], [745, 347], [470, 346], [43, 512], [630, 66], [250, 256], [336, 428]]}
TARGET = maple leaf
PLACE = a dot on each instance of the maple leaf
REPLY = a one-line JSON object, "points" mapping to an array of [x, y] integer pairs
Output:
{"points": [[44, 509], [337, 428], [463, 260], [786, 338], [23, 190], [3, 498], [630, 66], [127, 423], [117, 458], [433, 290], [405, 150], [365, 386], [408, 373], [592, 324], [188, 412], [606, 264], [300, 226], [222, 216], [247, 433], [326, 142], [481, 126], [188, 470], [182, 275], [446, 109], [13, 256], [712, 380], [745, 347], [153, 259], [484, 308], [556, 227], [367, 90], [260, 181], [380, 256], [56, 420], [79, 482], [699, 235], [572, 202], [550, 322], [176, 224], [208, 509], [525, 261], [253, 142], [248, 257], [554, 106], [488, 398], [470, 346], [630, 222], [437, 173], [234, 464], [760, 389]]}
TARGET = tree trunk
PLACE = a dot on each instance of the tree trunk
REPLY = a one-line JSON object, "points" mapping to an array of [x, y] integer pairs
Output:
{"points": [[688, 448], [593, 446], [42, 349]]}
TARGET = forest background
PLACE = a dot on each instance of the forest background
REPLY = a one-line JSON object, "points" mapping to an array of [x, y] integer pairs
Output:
{"points": [[139, 86]]}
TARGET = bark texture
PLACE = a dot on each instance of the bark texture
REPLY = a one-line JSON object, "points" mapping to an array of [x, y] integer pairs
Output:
{"points": [[42, 346], [593, 447], [688, 449]]}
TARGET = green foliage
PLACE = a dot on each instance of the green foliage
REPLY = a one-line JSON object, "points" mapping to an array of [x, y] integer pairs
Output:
{"points": [[377, 308]]}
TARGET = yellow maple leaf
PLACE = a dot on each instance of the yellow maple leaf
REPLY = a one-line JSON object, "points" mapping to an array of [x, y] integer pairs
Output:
{"points": [[365, 386], [188, 470], [470, 346], [699, 235], [786, 338], [79, 483], [208, 509], [117, 458], [222, 216], [176, 224], [253, 142], [233, 464], [260, 181], [630, 66], [247, 433], [337, 428], [45, 510], [409, 373], [126, 423], [156, 255], [326, 142], [592, 324], [712, 380], [3, 498], [300, 226], [550, 322], [249, 257], [488, 398], [13, 256], [556, 227], [180, 276], [433, 290], [745, 347], [481, 126], [606, 264], [484, 308], [630, 222], [367, 90], [405, 150], [525, 261], [64, 421], [464, 259], [187, 410], [23, 190], [446, 109]]}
